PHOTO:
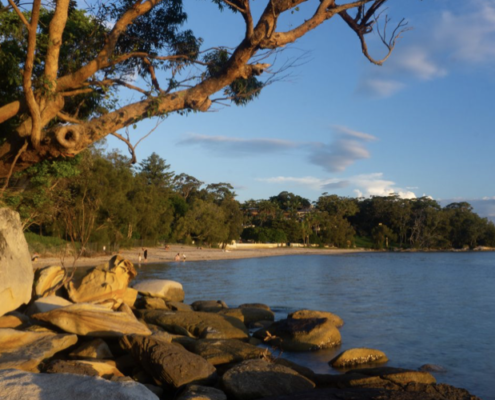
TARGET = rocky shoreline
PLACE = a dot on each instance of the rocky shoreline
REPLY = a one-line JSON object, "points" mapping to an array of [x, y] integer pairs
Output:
{"points": [[102, 336]]}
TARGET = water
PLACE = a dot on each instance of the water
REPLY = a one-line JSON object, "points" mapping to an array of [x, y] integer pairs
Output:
{"points": [[436, 308]]}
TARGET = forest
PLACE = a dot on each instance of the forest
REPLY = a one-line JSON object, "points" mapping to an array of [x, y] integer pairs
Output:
{"points": [[99, 198]]}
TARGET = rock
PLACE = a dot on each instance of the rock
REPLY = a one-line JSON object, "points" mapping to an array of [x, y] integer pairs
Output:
{"points": [[304, 371], [46, 304], [198, 324], [16, 268], [130, 296], [83, 367], [217, 351], [302, 334], [358, 356], [151, 303], [93, 320], [255, 305], [432, 368], [398, 376], [196, 392], [178, 306], [334, 319], [46, 280], [13, 320], [248, 315], [255, 379], [209, 305], [96, 348], [17, 385], [161, 288], [26, 350], [168, 363], [105, 284]]}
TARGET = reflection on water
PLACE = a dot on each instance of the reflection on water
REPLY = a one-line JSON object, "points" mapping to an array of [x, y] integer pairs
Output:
{"points": [[436, 308]]}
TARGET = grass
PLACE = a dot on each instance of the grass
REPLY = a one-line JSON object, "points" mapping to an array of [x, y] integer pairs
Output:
{"points": [[364, 242], [45, 245]]}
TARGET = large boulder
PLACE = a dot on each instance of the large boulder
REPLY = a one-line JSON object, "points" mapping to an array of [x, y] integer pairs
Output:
{"points": [[255, 379], [95, 349], [18, 385], [105, 284], [334, 319], [47, 280], [83, 367], [249, 315], [301, 334], [16, 268], [358, 356], [168, 363], [202, 325], [46, 304], [93, 320], [161, 288], [26, 350], [14, 319], [218, 351], [209, 305]]}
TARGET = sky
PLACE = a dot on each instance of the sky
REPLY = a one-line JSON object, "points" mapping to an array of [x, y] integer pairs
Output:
{"points": [[420, 125]]}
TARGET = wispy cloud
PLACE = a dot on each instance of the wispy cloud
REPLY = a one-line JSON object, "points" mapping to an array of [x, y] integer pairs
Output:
{"points": [[364, 185], [347, 147], [465, 36]]}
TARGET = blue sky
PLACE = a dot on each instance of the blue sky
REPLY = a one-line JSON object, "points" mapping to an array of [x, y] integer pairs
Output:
{"points": [[422, 124]]}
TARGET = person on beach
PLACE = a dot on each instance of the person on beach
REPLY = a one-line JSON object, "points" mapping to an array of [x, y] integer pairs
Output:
{"points": [[183, 257], [177, 257], [139, 259], [145, 254]]}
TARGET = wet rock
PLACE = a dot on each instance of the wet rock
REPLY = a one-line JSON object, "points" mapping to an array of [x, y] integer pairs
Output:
{"points": [[83, 367], [26, 350], [224, 351], [16, 268], [358, 356], [432, 368], [161, 288], [168, 363], [209, 305], [334, 319], [196, 392], [255, 305], [93, 320], [301, 334], [47, 280], [249, 315], [198, 324], [15, 385], [97, 349], [255, 379], [105, 284]]}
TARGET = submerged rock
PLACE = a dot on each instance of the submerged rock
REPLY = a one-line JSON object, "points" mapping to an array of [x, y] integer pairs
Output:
{"points": [[255, 379], [26, 350], [16, 268], [358, 356]]}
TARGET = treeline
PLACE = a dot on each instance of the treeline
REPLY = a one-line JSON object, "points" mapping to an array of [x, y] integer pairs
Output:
{"points": [[100, 197]]}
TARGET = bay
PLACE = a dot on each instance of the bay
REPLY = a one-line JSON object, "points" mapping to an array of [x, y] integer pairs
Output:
{"points": [[419, 308]]}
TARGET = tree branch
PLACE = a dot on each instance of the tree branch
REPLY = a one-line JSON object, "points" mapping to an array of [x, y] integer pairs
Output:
{"points": [[20, 14]]}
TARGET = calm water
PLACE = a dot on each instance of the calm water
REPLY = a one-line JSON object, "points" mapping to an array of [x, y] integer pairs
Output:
{"points": [[436, 308]]}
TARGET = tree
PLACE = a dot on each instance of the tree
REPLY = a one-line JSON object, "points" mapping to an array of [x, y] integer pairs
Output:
{"points": [[62, 60]]}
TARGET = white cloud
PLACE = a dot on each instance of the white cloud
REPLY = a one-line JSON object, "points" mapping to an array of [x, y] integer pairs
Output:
{"points": [[365, 185], [378, 87]]}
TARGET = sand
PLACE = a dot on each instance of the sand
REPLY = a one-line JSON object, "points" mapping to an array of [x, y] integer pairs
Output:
{"points": [[160, 255]]}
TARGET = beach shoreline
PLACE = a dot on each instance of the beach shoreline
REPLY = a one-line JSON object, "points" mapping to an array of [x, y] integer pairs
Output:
{"points": [[158, 255]]}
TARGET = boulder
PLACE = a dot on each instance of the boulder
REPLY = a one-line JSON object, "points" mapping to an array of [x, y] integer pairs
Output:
{"points": [[47, 280], [255, 379], [26, 350], [209, 305], [178, 306], [46, 304], [301, 334], [334, 319], [196, 392], [96, 349], [13, 320], [432, 368], [358, 356], [83, 367], [16, 385], [168, 363], [217, 351], [198, 324], [248, 315], [130, 296], [151, 303], [16, 268], [255, 305], [162, 288], [105, 284], [93, 320]]}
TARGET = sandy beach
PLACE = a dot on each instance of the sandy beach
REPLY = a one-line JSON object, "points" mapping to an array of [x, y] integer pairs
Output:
{"points": [[160, 255]]}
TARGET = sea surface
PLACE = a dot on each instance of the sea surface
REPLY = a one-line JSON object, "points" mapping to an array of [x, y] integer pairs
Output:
{"points": [[419, 308]]}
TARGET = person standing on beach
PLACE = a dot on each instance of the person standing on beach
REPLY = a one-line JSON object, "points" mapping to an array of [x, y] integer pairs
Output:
{"points": [[139, 259], [177, 257], [183, 257], [145, 254]]}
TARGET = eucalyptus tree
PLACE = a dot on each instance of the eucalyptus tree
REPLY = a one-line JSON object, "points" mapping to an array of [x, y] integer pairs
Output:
{"points": [[61, 66]]}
